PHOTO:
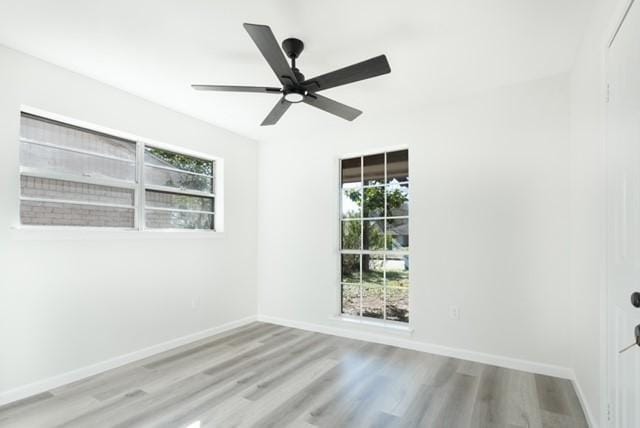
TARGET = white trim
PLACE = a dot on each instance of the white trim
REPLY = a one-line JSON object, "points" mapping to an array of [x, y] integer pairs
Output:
{"points": [[377, 151], [606, 397], [583, 401], [374, 320], [465, 354], [180, 210], [74, 202], [75, 150], [385, 237], [102, 366], [181, 171], [140, 194], [185, 232], [377, 252], [218, 202], [388, 325], [396, 217], [188, 192], [80, 233], [97, 181], [386, 183]]}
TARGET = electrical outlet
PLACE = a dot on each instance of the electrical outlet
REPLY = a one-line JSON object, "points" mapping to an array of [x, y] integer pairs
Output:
{"points": [[454, 313]]}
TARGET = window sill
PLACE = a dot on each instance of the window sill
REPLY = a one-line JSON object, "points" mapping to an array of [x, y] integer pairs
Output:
{"points": [[70, 233], [388, 326]]}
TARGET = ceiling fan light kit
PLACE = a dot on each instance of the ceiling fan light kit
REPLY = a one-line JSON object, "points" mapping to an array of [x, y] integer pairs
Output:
{"points": [[294, 96], [295, 88]]}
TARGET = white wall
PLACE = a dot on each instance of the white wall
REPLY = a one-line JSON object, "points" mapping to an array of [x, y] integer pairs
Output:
{"points": [[489, 220], [500, 227], [588, 203], [66, 304]]}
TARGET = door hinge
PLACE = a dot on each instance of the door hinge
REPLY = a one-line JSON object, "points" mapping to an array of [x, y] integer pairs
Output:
{"points": [[607, 96], [609, 415]]}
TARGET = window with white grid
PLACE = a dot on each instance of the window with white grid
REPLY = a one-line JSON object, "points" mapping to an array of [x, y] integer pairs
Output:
{"points": [[72, 176], [374, 235]]}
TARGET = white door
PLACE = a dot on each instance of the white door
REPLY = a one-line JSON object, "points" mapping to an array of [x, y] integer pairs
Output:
{"points": [[623, 220]]}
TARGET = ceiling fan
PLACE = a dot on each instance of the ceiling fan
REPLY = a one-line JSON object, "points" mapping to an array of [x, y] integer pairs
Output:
{"points": [[295, 88]]}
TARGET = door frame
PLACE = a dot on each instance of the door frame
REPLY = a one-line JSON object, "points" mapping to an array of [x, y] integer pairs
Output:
{"points": [[619, 15]]}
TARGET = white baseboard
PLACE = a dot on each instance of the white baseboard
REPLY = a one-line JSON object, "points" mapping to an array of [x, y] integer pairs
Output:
{"points": [[401, 342], [583, 401], [81, 373]]}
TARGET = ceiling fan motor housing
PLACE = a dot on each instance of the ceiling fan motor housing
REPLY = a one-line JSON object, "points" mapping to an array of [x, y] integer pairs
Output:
{"points": [[292, 47]]}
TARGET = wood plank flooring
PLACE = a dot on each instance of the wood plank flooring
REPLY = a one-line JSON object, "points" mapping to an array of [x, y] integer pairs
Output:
{"points": [[264, 375]]}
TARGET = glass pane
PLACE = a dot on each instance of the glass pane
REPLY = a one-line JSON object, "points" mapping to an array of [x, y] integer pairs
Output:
{"points": [[351, 234], [373, 302], [397, 200], [374, 169], [351, 201], [46, 188], [51, 132], [374, 202], [398, 166], [373, 235], [156, 219], [350, 268], [397, 270], [175, 200], [351, 299], [372, 270], [398, 234], [159, 157], [60, 214], [351, 171], [180, 180], [66, 162], [398, 304]]}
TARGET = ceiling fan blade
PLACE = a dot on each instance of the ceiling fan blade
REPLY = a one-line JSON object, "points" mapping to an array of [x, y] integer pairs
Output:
{"points": [[227, 88], [331, 106], [268, 45], [276, 112], [363, 70]]}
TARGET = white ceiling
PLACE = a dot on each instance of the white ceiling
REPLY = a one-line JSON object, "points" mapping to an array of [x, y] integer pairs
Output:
{"points": [[438, 49]]}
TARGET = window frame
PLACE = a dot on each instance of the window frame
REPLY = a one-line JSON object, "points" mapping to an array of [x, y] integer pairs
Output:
{"points": [[361, 319], [173, 190], [137, 186]]}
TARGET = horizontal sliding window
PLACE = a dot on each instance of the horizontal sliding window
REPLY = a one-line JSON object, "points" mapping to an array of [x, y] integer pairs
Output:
{"points": [[71, 176], [374, 238]]}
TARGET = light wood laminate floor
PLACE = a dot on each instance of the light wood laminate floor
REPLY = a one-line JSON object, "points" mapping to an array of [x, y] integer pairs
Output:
{"points": [[264, 375]]}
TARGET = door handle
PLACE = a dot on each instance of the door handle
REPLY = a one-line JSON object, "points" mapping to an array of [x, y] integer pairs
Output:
{"points": [[635, 299], [636, 343]]}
